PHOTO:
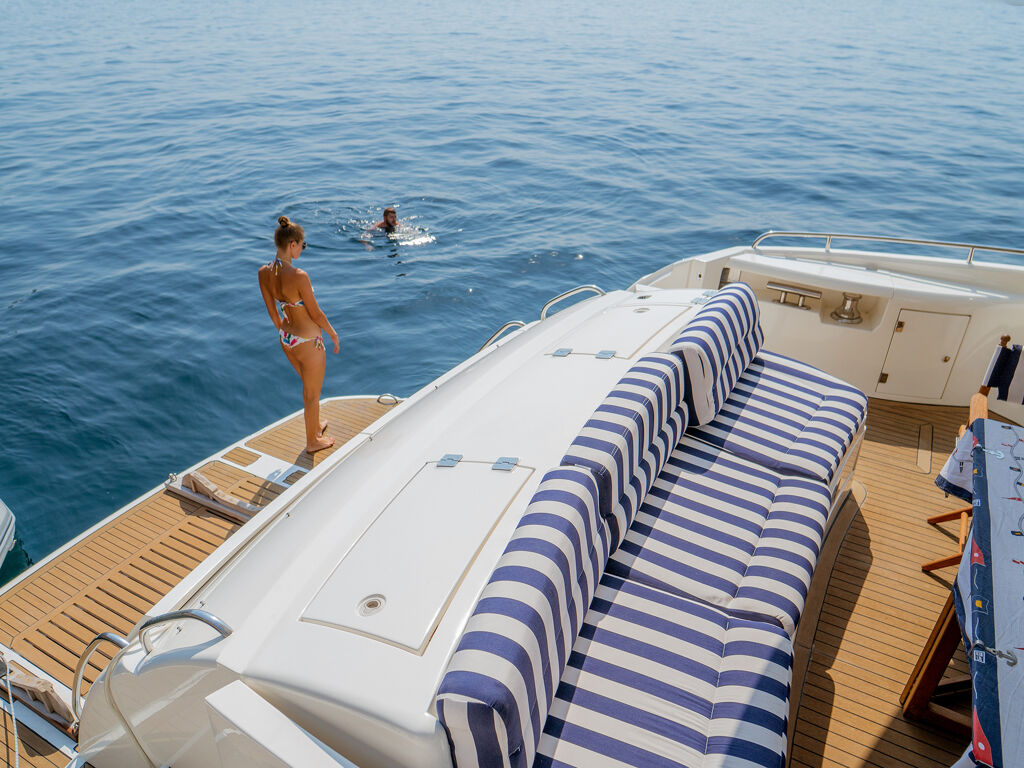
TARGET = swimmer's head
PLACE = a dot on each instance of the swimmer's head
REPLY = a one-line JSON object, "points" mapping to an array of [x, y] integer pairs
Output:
{"points": [[289, 232], [390, 219]]}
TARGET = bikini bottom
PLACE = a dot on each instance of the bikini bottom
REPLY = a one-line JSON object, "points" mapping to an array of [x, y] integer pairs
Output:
{"points": [[290, 340]]}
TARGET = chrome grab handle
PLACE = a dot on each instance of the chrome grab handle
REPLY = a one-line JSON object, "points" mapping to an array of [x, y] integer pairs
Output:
{"points": [[785, 289], [497, 333], [188, 613], [567, 294], [388, 399], [829, 236], [76, 685]]}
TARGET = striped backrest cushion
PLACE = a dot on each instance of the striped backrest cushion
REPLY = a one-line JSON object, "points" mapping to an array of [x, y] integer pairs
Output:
{"points": [[500, 683], [717, 346], [651, 464], [630, 435]]}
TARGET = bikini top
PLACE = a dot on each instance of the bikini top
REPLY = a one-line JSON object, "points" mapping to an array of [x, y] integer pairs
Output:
{"points": [[281, 303]]}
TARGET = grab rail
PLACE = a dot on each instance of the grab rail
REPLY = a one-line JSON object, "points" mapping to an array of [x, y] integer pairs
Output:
{"points": [[566, 295], [188, 613], [76, 685], [497, 333], [971, 247]]}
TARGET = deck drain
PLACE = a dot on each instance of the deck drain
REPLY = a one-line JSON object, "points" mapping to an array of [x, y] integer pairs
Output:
{"points": [[642, 309], [371, 605]]}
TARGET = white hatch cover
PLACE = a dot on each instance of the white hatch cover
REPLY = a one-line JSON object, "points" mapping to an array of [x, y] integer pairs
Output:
{"points": [[922, 353], [623, 329], [397, 580]]}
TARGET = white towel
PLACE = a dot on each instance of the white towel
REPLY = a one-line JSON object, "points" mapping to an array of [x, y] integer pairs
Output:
{"points": [[955, 476]]}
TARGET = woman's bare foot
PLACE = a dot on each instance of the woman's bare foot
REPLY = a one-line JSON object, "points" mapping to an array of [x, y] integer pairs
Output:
{"points": [[323, 428], [319, 445]]}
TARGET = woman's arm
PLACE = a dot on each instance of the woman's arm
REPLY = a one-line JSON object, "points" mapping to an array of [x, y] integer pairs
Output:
{"points": [[268, 298], [315, 313]]}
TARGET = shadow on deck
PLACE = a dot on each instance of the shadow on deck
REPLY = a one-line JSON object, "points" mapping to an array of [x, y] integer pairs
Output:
{"points": [[877, 608]]}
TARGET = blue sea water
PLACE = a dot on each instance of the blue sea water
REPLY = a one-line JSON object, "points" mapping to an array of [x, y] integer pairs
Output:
{"points": [[146, 150]]}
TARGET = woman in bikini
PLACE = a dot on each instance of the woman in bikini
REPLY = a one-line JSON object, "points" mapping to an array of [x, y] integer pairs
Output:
{"points": [[299, 321]]}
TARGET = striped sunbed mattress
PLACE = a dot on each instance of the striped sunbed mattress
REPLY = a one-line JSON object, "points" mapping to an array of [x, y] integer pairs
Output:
{"points": [[642, 612]]}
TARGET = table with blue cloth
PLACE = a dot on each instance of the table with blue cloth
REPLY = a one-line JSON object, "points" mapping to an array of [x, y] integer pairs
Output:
{"points": [[989, 595]]}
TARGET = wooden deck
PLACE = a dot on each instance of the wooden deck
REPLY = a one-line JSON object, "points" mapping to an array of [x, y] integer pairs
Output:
{"points": [[33, 750], [879, 607], [108, 580]]}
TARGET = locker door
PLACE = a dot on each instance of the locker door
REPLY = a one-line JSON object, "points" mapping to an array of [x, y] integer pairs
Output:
{"points": [[921, 353]]}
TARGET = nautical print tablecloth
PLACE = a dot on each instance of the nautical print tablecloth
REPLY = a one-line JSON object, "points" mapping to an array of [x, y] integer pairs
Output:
{"points": [[989, 595]]}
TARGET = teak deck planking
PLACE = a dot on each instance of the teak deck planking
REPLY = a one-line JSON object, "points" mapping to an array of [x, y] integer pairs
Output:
{"points": [[345, 419], [33, 750], [879, 608], [108, 580]]}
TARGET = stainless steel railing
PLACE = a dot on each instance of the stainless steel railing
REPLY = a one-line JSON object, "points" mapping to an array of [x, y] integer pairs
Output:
{"points": [[109, 637], [497, 333], [543, 311], [76, 685], [188, 613], [567, 294], [830, 236]]}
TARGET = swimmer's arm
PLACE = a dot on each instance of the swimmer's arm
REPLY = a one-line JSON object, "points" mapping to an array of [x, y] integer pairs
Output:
{"points": [[268, 298], [313, 308]]}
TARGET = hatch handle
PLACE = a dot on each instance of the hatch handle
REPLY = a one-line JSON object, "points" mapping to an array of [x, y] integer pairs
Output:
{"points": [[76, 686], [187, 613], [567, 294]]}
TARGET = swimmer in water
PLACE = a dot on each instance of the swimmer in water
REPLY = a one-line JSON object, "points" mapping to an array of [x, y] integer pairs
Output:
{"points": [[390, 221]]}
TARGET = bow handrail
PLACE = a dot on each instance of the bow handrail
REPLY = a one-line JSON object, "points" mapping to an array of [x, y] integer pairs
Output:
{"points": [[497, 333], [187, 613], [830, 236], [83, 660], [567, 294]]}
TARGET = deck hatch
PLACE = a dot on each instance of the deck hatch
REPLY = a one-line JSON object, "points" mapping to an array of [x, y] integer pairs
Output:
{"points": [[413, 556], [620, 331]]}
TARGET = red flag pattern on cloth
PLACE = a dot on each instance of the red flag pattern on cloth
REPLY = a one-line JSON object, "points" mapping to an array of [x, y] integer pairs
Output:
{"points": [[982, 750]]}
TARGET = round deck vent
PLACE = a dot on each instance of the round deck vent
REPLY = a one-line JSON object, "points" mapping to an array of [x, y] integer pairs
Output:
{"points": [[371, 605]]}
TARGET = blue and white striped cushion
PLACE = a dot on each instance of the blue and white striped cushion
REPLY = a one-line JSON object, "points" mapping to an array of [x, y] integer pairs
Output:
{"points": [[496, 692], [627, 440], [657, 680], [788, 416], [654, 459], [728, 532], [717, 345]]}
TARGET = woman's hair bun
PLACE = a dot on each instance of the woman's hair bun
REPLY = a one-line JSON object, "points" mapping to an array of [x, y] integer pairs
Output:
{"points": [[283, 221]]}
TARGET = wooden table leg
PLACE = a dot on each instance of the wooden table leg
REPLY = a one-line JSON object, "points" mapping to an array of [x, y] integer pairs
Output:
{"points": [[931, 665]]}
